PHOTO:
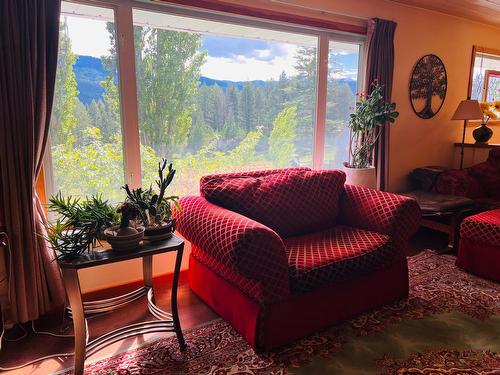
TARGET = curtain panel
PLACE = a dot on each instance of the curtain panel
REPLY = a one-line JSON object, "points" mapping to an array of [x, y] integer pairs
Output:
{"points": [[380, 66], [29, 31]]}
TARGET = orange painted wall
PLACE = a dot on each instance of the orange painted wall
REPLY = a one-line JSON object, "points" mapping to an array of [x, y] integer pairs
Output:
{"points": [[414, 142]]}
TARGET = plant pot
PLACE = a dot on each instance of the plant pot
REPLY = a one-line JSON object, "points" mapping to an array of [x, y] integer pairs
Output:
{"points": [[123, 243], [365, 177], [482, 134], [159, 233]]}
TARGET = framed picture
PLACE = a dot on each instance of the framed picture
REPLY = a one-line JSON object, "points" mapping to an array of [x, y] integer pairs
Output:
{"points": [[428, 85]]}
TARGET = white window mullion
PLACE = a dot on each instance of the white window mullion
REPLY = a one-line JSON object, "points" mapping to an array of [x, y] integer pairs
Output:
{"points": [[128, 93], [321, 97]]}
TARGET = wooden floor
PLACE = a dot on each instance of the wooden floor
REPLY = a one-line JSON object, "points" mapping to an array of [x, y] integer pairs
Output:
{"points": [[192, 312]]}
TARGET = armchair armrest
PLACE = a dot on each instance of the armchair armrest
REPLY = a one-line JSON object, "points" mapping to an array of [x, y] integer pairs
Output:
{"points": [[392, 214], [238, 242]]}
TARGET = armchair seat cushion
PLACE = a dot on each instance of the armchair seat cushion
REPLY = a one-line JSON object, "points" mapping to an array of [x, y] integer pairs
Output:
{"points": [[318, 259]]}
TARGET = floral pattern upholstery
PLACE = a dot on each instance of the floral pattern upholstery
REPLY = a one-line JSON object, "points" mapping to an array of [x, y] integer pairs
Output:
{"points": [[318, 259], [483, 227]]}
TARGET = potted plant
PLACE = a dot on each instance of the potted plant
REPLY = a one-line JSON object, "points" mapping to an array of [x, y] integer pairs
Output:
{"points": [[124, 237], [155, 211], [370, 114], [80, 224], [491, 110]]}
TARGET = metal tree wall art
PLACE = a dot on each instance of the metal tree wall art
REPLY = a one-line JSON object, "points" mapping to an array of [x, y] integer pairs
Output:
{"points": [[428, 86]]}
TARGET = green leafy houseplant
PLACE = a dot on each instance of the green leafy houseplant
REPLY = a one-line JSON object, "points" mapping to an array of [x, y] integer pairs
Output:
{"points": [[155, 209], [366, 122], [79, 224]]}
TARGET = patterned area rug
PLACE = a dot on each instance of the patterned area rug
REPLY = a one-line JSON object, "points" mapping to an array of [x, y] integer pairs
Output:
{"points": [[450, 324]]}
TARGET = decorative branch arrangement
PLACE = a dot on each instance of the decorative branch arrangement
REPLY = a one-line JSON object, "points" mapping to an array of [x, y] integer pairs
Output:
{"points": [[366, 122], [154, 209]]}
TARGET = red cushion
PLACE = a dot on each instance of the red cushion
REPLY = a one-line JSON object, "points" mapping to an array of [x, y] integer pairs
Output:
{"points": [[291, 202], [318, 259], [459, 182], [488, 176]]}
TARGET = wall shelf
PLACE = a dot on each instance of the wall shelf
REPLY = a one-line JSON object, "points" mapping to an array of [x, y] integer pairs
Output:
{"points": [[477, 145]]}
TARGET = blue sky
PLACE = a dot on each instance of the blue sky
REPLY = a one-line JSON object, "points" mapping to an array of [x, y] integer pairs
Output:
{"points": [[234, 59]]}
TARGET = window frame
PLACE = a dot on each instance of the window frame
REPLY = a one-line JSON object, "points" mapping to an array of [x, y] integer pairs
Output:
{"points": [[479, 50], [123, 19]]}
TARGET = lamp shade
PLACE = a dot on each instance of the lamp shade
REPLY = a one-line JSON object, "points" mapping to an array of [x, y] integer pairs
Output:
{"points": [[468, 110]]}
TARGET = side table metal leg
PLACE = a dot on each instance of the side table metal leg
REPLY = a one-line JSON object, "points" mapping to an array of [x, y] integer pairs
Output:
{"points": [[147, 273], [175, 312], [73, 291], [147, 270]]}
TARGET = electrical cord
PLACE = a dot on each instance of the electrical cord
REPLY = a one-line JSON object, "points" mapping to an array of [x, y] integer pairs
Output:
{"points": [[22, 337], [25, 333]]}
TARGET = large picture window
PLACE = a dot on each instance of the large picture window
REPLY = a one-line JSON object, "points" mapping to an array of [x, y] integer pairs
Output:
{"points": [[212, 94]]}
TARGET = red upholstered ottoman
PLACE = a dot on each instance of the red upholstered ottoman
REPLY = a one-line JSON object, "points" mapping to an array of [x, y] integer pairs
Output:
{"points": [[479, 247]]}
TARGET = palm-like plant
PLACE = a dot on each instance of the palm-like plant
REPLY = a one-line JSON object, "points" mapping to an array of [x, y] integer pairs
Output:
{"points": [[79, 224], [366, 122]]}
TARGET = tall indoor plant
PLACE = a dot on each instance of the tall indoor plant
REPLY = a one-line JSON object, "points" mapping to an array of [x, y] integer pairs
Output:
{"points": [[371, 113]]}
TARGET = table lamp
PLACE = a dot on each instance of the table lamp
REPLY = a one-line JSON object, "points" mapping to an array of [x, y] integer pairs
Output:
{"points": [[467, 110]]}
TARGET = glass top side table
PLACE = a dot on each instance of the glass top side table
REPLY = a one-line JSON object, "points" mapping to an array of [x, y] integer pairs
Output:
{"points": [[167, 322]]}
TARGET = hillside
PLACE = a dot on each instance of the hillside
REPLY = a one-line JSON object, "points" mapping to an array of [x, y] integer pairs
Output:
{"points": [[89, 73]]}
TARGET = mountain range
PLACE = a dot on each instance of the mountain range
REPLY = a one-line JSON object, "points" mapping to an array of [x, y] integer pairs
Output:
{"points": [[89, 73]]}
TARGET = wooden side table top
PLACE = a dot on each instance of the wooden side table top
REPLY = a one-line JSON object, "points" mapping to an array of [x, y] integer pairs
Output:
{"points": [[108, 255]]}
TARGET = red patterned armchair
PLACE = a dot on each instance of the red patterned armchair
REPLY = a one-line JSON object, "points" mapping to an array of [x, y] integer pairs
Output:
{"points": [[480, 182], [282, 253]]}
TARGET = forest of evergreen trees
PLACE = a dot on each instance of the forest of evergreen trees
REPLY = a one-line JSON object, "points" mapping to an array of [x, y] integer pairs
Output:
{"points": [[202, 129]]}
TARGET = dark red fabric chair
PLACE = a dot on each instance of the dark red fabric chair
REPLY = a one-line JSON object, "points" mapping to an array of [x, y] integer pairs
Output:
{"points": [[282, 253], [480, 182], [479, 246]]}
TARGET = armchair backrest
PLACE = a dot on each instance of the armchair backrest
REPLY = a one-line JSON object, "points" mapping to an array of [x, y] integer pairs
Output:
{"points": [[289, 201]]}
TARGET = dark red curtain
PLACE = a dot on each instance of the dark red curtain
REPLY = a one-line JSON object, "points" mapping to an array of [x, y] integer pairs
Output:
{"points": [[380, 66], [29, 31]]}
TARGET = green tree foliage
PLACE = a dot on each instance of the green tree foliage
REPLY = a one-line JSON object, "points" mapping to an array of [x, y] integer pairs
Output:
{"points": [[168, 71], [64, 121], [281, 141], [207, 160], [303, 90], [94, 168]]}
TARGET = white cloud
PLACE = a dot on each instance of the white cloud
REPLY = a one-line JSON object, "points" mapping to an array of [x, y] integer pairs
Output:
{"points": [[344, 73], [243, 68], [88, 37]]}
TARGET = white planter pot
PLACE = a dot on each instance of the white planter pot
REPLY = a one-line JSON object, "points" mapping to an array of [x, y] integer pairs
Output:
{"points": [[365, 177]]}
